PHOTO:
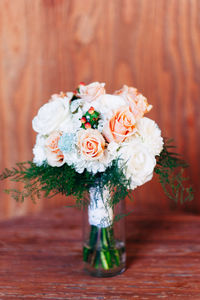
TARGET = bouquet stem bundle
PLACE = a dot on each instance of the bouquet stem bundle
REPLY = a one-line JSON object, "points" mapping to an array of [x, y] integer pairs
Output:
{"points": [[102, 251]]}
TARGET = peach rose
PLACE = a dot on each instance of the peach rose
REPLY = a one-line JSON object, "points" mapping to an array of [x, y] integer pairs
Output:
{"points": [[120, 126], [127, 90], [55, 157], [91, 144], [137, 102], [91, 91]]}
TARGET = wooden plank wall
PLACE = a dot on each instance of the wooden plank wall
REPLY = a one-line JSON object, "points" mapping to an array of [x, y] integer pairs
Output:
{"points": [[51, 45]]}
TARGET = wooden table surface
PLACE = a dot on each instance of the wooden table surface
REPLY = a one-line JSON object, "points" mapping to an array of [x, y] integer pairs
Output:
{"points": [[40, 258]]}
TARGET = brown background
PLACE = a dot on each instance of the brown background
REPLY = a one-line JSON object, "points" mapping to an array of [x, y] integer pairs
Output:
{"points": [[48, 46]]}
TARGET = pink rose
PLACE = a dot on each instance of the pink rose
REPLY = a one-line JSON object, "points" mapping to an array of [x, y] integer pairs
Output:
{"points": [[91, 91], [137, 102], [55, 157], [120, 126], [91, 144]]}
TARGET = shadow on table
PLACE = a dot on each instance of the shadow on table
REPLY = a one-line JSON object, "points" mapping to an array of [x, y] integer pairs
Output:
{"points": [[139, 234]]}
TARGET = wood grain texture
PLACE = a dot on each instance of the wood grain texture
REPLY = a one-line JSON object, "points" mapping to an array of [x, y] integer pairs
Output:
{"points": [[48, 46], [41, 259]]}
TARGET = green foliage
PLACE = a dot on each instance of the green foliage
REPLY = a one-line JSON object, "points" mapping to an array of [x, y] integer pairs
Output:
{"points": [[74, 97], [49, 181], [170, 168], [118, 217]]}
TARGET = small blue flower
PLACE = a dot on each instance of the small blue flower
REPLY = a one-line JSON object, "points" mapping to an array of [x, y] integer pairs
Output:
{"points": [[67, 142]]}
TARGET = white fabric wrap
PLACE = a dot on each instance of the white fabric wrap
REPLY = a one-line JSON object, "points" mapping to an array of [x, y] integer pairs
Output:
{"points": [[99, 211]]}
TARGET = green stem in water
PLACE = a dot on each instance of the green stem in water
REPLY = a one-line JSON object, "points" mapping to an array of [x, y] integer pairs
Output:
{"points": [[101, 251], [86, 253], [104, 261], [93, 236], [104, 238], [117, 257], [97, 260]]}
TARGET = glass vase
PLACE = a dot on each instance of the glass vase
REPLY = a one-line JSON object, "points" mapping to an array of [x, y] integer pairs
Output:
{"points": [[103, 235]]}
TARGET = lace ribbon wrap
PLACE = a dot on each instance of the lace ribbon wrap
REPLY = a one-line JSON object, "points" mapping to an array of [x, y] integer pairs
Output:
{"points": [[99, 211]]}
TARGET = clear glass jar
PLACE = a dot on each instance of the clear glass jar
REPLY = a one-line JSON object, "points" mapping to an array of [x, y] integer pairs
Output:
{"points": [[103, 235]]}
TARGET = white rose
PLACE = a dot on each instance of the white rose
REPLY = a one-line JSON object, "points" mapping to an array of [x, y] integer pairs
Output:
{"points": [[137, 162], [54, 115], [39, 150], [108, 104], [150, 135]]}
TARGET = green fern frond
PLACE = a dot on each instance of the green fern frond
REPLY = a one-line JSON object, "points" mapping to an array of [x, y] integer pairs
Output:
{"points": [[46, 180], [170, 169]]}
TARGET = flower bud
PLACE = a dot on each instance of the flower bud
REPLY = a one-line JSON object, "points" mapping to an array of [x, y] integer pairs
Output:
{"points": [[87, 125], [83, 120], [91, 110]]}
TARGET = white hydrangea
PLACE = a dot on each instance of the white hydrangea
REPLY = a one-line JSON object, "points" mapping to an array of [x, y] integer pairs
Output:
{"points": [[39, 150], [150, 134], [113, 147], [80, 164]]}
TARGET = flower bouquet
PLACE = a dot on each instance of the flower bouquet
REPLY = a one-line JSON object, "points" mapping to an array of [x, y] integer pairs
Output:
{"points": [[97, 144]]}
